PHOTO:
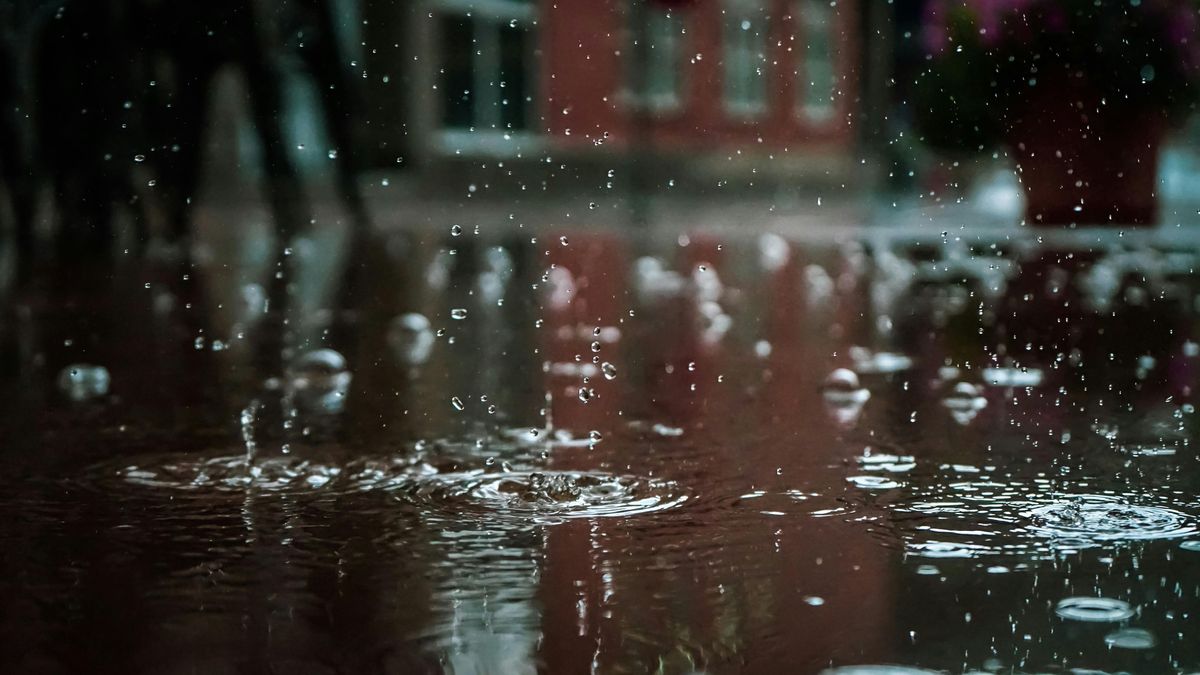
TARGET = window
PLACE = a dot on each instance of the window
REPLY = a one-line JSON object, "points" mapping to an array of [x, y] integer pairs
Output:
{"points": [[817, 75], [486, 59], [745, 73], [663, 83]]}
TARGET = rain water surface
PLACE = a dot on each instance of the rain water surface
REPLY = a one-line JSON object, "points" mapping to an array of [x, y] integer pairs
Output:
{"points": [[591, 452]]}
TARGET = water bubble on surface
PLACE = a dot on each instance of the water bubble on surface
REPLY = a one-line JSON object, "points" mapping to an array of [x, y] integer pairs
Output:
{"points": [[1099, 610], [319, 380], [83, 381], [1131, 638], [609, 370], [885, 462], [964, 401], [844, 397], [874, 482], [843, 386], [411, 338]]}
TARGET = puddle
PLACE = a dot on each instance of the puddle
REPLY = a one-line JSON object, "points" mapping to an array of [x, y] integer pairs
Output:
{"points": [[615, 454]]}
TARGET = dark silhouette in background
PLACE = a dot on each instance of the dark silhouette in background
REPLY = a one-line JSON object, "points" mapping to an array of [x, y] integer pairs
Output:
{"points": [[15, 159], [121, 95]]}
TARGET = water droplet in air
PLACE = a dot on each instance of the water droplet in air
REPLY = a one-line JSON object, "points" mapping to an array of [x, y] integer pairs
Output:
{"points": [[458, 314], [455, 230], [609, 370], [457, 403]]}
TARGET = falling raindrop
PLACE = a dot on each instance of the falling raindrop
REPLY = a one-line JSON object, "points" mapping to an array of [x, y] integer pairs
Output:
{"points": [[609, 370]]}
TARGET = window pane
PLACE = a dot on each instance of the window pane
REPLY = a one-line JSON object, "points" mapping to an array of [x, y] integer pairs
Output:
{"points": [[664, 34], [745, 63], [514, 81], [458, 72], [818, 77]]}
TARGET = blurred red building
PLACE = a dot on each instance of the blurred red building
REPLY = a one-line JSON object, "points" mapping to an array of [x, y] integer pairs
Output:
{"points": [[519, 79]]}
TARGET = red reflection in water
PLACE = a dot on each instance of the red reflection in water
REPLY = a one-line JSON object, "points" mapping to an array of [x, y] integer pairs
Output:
{"points": [[745, 599]]}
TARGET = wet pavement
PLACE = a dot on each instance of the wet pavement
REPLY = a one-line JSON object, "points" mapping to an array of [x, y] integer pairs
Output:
{"points": [[595, 451]]}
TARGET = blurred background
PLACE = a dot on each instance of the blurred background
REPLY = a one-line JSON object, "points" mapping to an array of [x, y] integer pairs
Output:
{"points": [[138, 117]]}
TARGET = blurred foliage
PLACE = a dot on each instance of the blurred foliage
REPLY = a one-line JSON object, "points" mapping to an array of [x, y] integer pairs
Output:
{"points": [[985, 58]]}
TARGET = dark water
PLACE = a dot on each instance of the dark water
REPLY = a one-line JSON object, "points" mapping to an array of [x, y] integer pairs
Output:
{"points": [[609, 453]]}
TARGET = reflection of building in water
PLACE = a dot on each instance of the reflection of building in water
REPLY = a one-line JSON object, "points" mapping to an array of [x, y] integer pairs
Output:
{"points": [[484, 617]]}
